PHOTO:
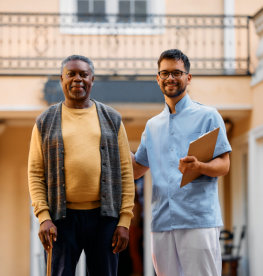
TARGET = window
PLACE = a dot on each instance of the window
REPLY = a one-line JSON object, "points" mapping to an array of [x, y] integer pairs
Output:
{"points": [[111, 16], [127, 10], [91, 10], [132, 11]]}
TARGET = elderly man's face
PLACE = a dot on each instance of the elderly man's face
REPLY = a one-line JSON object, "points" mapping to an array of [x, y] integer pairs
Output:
{"points": [[76, 81]]}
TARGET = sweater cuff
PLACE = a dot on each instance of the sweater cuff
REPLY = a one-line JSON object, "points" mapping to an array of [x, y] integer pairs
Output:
{"points": [[125, 220], [44, 215]]}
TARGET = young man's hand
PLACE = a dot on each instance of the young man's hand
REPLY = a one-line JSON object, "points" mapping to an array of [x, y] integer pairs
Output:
{"points": [[189, 164], [218, 166]]}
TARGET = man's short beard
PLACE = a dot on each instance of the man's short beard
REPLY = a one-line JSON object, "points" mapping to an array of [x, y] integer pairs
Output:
{"points": [[178, 93]]}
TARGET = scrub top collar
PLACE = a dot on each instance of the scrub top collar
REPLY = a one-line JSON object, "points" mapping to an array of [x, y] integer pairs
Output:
{"points": [[181, 105]]}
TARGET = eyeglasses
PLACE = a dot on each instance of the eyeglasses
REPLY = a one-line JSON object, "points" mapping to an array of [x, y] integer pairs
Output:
{"points": [[175, 74]]}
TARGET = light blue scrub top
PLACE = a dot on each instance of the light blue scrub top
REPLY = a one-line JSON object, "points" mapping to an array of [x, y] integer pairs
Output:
{"points": [[164, 141]]}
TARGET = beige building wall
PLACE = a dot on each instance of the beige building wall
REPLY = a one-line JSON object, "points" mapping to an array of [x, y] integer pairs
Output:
{"points": [[257, 114], [194, 7], [14, 202], [37, 6], [222, 91], [255, 118], [245, 7], [172, 6], [22, 91]]}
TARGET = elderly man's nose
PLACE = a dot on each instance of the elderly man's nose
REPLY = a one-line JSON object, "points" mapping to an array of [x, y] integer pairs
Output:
{"points": [[77, 77]]}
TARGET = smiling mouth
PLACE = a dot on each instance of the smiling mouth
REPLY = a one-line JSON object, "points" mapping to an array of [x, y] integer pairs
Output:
{"points": [[77, 86], [171, 84]]}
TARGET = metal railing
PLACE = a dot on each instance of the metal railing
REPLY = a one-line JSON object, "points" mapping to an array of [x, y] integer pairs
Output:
{"points": [[35, 44]]}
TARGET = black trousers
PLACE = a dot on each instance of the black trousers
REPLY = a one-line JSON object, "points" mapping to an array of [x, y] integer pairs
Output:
{"points": [[85, 230]]}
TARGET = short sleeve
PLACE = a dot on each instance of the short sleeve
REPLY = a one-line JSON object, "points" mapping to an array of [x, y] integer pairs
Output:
{"points": [[222, 143], [141, 156]]}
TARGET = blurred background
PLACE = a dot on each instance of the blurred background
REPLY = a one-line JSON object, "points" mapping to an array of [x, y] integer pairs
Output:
{"points": [[124, 38]]}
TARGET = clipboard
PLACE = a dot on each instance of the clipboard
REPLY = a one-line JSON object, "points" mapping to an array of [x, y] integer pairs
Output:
{"points": [[203, 149]]}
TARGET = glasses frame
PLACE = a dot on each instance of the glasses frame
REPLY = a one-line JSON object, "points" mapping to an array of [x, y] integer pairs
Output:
{"points": [[171, 73]]}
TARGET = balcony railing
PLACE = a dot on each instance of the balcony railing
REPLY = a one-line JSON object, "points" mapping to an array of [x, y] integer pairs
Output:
{"points": [[35, 44]]}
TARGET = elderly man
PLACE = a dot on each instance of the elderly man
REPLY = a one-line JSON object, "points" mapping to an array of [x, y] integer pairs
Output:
{"points": [[185, 221], [80, 176]]}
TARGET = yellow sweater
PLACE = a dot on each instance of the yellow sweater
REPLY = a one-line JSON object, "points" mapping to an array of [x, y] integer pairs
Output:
{"points": [[81, 136]]}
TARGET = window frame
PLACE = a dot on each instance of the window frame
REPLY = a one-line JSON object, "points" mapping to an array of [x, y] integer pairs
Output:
{"points": [[70, 25]]}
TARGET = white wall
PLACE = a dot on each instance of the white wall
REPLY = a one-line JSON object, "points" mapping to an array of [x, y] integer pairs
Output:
{"points": [[239, 185], [255, 201]]}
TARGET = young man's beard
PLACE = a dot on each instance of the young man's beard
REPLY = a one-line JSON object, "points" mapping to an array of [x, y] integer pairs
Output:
{"points": [[177, 93]]}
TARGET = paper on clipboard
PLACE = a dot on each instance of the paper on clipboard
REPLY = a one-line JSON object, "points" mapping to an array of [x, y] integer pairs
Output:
{"points": [[203, 149]]}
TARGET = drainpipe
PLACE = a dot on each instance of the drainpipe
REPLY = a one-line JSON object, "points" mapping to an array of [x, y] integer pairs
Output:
{"points": [[229, 37]]}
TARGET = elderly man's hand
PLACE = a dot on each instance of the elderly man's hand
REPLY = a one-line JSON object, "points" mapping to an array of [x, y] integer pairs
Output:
{"points": [[120, 239], [46, 230]]}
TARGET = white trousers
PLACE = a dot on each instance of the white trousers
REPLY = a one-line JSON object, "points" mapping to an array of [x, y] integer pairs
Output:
{"points": [[187, 252]]}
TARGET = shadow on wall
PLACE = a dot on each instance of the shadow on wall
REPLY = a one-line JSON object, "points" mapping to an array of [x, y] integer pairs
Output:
{"points": [[111, 91]]}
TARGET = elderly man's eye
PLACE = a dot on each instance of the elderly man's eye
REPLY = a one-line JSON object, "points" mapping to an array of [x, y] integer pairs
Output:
{"points": [[70, 74], [84, 75]]}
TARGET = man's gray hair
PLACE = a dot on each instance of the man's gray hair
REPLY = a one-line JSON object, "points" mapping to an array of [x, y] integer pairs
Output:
{"points": [[77, 57]]}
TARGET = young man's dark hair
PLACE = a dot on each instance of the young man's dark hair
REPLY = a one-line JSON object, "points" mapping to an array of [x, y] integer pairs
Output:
{"points": [[175, 54]]}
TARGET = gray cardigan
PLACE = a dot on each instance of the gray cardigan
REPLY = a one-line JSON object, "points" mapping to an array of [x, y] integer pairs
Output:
{"points": [[49, 126]]}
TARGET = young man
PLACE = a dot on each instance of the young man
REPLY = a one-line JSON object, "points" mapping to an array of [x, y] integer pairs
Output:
{"points": [[185, 221], [80, 176]]}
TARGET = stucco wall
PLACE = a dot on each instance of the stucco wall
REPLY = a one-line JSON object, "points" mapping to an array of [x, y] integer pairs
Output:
{"points": [[257, 115], [188, 6], [256, 118], [21, 91], [14, 202], [221, 90], [245, 7], [193, 7], [29, 5]]}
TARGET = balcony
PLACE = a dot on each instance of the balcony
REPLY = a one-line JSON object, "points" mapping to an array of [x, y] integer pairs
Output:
{"points": [[35, 44]]}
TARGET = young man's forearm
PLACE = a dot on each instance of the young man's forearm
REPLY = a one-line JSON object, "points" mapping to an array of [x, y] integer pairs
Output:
{"points": [[138, 169]]}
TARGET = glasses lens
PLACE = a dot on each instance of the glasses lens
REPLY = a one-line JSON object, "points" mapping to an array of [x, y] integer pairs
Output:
{"points": [[164, 74], [177, 73]]}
